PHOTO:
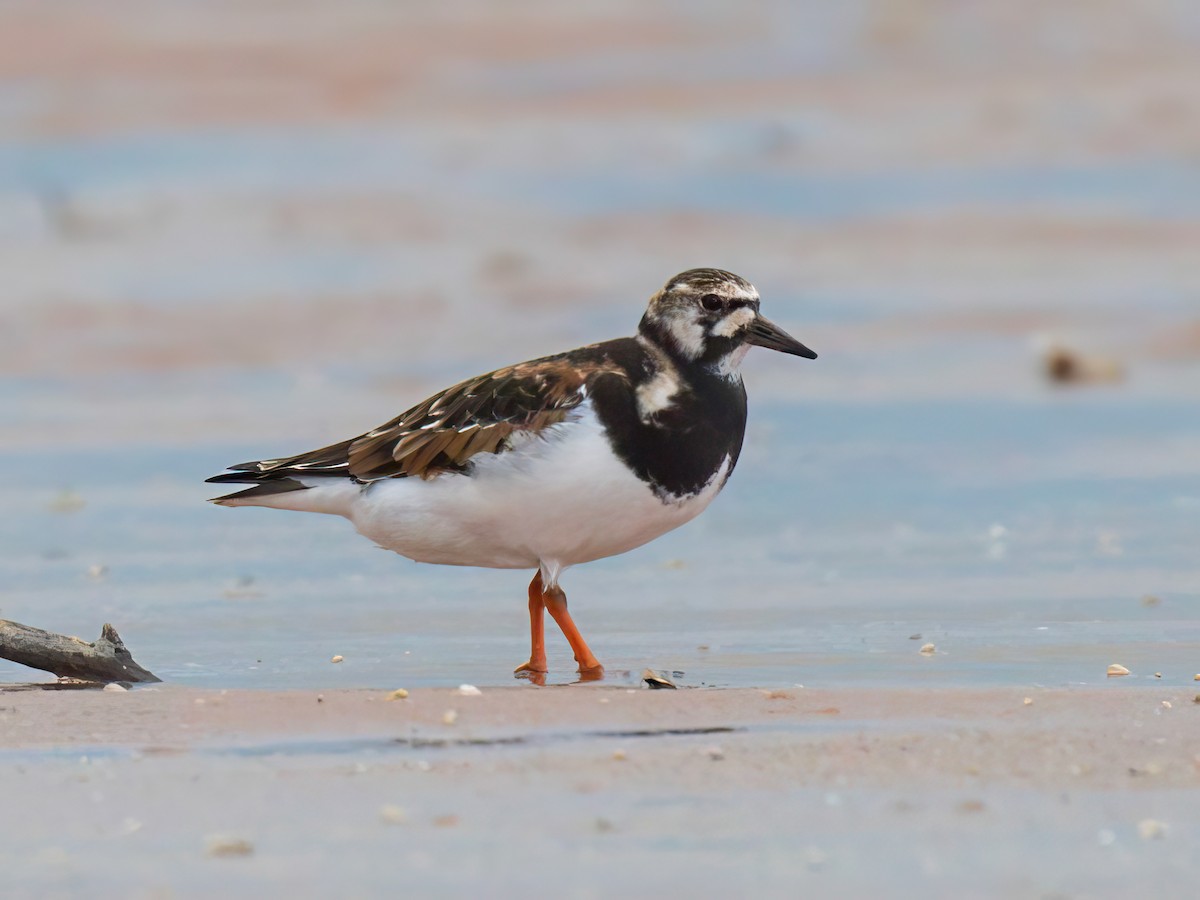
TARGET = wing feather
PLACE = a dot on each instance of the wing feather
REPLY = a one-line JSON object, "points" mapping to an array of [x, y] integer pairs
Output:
{"points": [[445, 431]]}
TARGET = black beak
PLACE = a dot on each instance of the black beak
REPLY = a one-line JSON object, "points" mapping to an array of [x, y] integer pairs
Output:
{"points": [[764, 333]]}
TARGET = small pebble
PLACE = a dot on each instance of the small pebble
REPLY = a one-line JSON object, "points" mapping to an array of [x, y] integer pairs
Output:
{"points": [[1196, 677], [391, 814], [224, 845], [447, 821], [449, 717], [927, 650], [619, 755], [1151, 829], [1158, 674], [1116, 670], [336, 659], [398, 694], [469, 690], [714, 753], [67, 502], [1150, 600], [1028, 701], [97, 572], [130, 826], [116, 688], [1166, 704]]}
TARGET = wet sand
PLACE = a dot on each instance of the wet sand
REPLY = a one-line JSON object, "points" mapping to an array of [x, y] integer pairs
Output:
{"points": [[588, 791], [594, 791]]}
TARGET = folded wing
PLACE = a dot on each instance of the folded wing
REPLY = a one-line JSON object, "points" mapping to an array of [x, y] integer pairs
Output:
{"points": [[443, 433]]}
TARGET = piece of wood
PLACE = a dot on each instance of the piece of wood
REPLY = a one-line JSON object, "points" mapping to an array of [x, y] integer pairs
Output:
{"points": [[105, 660]]}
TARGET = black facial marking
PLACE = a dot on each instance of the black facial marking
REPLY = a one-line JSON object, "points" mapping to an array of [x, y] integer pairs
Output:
{"points": [[679, 450]]}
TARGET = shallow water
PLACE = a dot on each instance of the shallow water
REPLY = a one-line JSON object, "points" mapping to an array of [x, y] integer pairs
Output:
{"points": [[849, 536]]}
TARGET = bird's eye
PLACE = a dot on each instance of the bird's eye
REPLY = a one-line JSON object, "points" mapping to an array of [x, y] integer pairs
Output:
{"points": [[711, 302]]}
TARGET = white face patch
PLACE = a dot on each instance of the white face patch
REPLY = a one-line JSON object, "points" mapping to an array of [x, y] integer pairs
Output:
{"points": [[655, 395], [734, 322], [688, 334]]}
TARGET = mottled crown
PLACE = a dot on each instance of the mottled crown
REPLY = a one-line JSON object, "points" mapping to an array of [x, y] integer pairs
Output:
{"points": [[716, 281]]}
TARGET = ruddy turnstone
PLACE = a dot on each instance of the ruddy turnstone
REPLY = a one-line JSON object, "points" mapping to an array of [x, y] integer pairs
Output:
{"points": [[552, 462]]}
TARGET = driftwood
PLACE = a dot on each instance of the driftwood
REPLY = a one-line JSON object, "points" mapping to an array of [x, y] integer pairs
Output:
{"points": [[105, 660]]}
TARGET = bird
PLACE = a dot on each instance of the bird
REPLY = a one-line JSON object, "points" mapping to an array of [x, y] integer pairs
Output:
{"points": [[553, 462]]}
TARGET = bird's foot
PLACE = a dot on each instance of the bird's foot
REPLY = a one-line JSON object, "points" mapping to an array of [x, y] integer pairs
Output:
{"points": [[591, 673], [533, 670]]}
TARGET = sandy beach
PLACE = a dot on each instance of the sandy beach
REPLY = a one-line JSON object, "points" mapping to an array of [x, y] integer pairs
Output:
{"points": [[231, 231], [590, 791]]}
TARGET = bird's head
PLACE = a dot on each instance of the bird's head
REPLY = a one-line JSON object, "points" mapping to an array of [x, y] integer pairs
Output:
{"points": [[710, 317]]}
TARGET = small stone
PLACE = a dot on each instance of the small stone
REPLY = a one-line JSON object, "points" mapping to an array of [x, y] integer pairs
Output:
{"points": [[813, 857], [620, 755], [67, 502], [1196, 677], [130, 826], [714, 753], [97, 572], [1116, 670], [469, 690], [1028, 701], [1151, 829], [1150, 600], [1166, 704], [337, 658], [447, 821], [391, 814], [927, 650], [225, 845], [398, 694], [449, 717], [115, 688], [1158, 674]]}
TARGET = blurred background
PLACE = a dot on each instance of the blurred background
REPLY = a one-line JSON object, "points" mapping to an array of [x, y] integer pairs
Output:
{"points": [[234, 230]]}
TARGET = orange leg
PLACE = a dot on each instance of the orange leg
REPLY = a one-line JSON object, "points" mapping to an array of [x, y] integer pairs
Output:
{"points": [[556, 603], [535, 669]]}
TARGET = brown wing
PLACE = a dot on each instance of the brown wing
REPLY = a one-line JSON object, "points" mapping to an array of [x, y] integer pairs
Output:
{"points": [[444, 432]]}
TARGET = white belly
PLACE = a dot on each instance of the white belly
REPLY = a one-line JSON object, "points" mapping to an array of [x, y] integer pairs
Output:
{"points": [[556, 500]]}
